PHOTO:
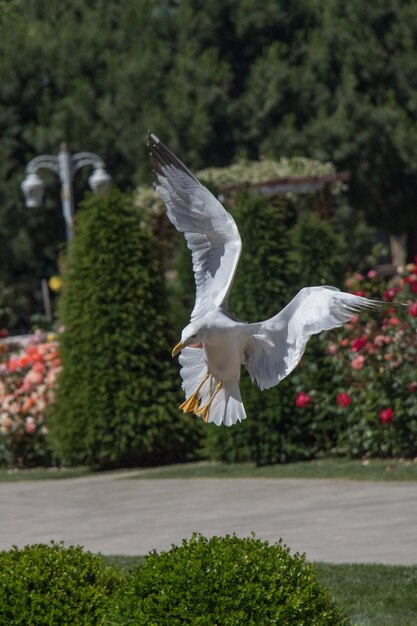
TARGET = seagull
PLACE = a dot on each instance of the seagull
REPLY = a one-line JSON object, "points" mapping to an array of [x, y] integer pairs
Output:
{"points": [[215, 344]]}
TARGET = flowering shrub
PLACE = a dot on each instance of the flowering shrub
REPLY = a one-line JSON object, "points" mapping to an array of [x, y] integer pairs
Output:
{"points": [[374, 376], [27, 378]]}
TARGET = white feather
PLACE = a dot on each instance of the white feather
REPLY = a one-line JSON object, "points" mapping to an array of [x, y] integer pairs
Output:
{"points": [[210, 231], [313, 310]]}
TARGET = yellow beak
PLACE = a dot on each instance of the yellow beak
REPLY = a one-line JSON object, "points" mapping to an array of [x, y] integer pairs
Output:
{"points": [[177, 349]]}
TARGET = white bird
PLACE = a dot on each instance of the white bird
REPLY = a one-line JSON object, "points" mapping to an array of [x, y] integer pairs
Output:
{"points": [[215, 344]]}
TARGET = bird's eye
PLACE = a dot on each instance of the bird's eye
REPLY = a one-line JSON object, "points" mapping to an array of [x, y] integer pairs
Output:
{"points": [[193, 337]]}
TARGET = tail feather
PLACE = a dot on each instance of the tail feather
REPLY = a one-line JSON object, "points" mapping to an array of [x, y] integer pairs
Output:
{"points": [[227, 406], [193, 369]]}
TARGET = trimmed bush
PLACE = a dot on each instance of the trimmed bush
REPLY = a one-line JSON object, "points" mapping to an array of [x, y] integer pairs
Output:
{"points": [[50, 585], [269, 275], [117, 397], [265, 280], [227, 581], [317, 253]]}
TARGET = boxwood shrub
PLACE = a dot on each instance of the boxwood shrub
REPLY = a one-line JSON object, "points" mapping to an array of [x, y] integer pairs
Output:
{"points": [[51, 585], [225, 581]]}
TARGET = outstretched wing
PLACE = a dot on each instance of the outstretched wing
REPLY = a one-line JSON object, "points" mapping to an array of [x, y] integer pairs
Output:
{"points": [[275, 347], [210, 231]]}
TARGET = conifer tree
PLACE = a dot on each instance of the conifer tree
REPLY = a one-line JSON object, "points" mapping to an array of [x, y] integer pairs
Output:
{"points": [[264, 284], [116, 403], [317, 253]]}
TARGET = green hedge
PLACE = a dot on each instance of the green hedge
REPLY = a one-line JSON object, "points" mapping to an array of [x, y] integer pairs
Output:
{"points": [[117, 398], [280, 255], [227, 581], [50, 585]]}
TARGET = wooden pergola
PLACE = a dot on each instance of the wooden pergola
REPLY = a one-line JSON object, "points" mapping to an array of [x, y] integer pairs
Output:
{"points": [[291, 184]]}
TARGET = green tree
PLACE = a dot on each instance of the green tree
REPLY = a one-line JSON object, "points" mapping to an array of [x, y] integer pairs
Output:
{"points": [[101, 70], [345, 91], [217, 80], [116, 403]]}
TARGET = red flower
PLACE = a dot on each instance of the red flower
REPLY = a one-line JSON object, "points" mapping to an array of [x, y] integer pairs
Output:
{"points": [[386, 415], [394, 321], [390, 293], [413, 309], [3, 333], [343, 400], [414, 287], [303, 399], [360, 293], [412, 386], [359, 343]]}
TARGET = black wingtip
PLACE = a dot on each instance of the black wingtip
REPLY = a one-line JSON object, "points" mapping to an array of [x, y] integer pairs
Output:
{"points": [[162, 156]]}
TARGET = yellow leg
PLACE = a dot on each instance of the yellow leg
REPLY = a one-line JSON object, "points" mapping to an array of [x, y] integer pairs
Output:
{"points": [[205, 410], [191, 405]]}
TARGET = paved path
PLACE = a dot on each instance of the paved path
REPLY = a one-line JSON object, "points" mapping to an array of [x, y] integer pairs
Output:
{"points": [[335, 521]]}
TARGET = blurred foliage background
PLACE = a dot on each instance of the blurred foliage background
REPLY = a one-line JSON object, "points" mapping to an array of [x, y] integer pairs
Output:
{"points": [[218, 82]]}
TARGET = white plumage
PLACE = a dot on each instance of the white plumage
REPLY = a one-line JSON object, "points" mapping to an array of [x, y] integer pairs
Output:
{"points": [[214, 345]]}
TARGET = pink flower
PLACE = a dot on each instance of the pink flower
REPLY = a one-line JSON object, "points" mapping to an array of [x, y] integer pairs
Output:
{"points": [[390, 293], [413, 309], [358, 362], [303, 399], [331, 348], [359, 277], [14, 408], [5, 422], [372, 274], [38, 367], [343, 399], [394, 321], [30, 425], [386, 415], [379, 340]]}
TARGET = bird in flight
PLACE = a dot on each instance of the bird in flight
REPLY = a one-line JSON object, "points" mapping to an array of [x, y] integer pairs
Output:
{"points": [[215, 344]]}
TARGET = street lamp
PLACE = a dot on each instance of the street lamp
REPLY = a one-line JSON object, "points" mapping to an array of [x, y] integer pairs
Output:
{"points": [[65, 165]]}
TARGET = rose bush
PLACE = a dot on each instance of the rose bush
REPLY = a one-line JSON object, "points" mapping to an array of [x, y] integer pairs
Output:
{"points": [[27, 378], [374, 380]]}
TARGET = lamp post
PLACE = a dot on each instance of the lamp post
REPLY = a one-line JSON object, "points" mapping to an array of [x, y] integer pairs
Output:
{"points": [[65, 165]]}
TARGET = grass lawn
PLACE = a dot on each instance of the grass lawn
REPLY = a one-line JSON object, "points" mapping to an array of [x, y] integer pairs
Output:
{"points": [[374, 469], [372, 595], [9, 475]]}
